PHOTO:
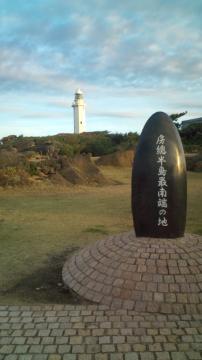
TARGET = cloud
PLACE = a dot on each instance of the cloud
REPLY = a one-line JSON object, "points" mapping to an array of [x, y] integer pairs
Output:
{"points": [[109, 47], [115, 114], [142, 55], [44, 115]]}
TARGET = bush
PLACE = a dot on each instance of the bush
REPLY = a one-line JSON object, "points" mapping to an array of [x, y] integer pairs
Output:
{"points": [[194, 163], [12, 176], [10, 158], [192, 134], [32, 168], [189, 148], [67, 150]]}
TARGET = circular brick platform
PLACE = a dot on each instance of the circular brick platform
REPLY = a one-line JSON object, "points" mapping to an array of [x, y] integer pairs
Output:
{"points": [[143, 274]]}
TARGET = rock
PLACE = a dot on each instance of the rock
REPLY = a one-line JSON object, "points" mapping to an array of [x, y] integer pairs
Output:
{"points": [[159, 187]]}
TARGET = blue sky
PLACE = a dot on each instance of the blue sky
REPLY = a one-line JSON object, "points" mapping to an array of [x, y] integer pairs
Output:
{"points": [[131, 58]]}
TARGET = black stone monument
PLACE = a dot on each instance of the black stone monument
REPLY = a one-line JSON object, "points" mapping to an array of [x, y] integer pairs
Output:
{"points": [[159, 186]]}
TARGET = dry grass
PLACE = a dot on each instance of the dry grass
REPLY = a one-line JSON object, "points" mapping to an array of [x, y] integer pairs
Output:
{"points": [[194, 204], [37, 225]]}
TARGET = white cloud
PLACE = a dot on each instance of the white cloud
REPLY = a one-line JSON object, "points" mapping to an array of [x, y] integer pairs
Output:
{"points": [[129, 57]]}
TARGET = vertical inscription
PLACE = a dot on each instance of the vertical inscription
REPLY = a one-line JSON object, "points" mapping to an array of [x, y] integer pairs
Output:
{"points": [[162, 202]]}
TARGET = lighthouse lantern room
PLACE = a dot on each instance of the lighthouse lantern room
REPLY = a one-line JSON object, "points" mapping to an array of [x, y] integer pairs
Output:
{"points": [[79, 112]]}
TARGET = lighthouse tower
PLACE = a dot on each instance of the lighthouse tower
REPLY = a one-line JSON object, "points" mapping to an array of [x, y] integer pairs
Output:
{"points": [[79, 112]]}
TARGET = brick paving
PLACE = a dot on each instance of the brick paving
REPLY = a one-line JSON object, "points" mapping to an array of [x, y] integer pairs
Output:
{"points": [[147, 305], [97, 332], [142, 274]]}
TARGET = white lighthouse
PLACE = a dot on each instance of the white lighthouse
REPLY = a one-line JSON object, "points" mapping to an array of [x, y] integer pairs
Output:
{"points": [[79, 112]]}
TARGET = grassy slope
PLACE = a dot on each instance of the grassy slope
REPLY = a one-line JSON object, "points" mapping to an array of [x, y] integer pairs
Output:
{"points": [[36, 226]]}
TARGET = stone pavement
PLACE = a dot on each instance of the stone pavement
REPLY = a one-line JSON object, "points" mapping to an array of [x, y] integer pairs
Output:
{"points": [[150, 305], [142, 274], [96, 332]]}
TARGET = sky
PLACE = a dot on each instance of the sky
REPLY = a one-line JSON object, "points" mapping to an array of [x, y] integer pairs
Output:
{"points": [[131, 58]]}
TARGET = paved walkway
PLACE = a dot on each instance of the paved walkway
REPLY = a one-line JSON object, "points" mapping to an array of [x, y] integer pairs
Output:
{"points": [[142, 274], [150, 305], [96, 332]]}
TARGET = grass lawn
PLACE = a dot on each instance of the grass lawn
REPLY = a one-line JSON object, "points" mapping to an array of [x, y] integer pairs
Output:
{"points": [[39, 228]]}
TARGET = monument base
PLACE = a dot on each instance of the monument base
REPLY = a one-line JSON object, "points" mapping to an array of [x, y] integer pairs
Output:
{"points": [[141, 274]]}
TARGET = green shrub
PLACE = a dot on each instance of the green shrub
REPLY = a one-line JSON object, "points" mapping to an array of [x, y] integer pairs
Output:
{"points": [[32, 168], [67, 150]]}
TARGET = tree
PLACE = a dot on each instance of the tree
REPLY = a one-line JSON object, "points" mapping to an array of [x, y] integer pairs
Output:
{"points": [[175, 118]]}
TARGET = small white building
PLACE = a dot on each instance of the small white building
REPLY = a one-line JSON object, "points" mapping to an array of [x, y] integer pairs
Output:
{"points": [[79, 112]]}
